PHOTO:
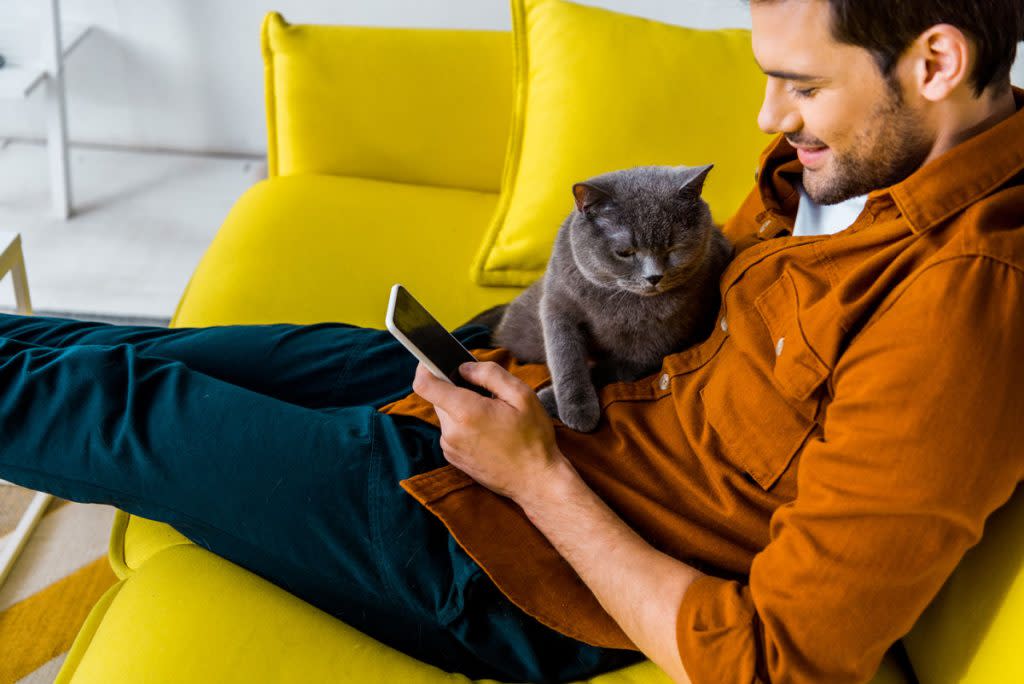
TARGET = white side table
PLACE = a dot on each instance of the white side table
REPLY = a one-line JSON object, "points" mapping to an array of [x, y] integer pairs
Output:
{"points": [[13, 261]]}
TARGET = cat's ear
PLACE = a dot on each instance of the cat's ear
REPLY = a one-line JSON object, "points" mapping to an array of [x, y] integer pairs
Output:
{"points": [[587, 195], [694, 183]]}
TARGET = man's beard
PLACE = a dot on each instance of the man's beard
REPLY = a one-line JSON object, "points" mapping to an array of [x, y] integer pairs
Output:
{"points": [[889, 147]]}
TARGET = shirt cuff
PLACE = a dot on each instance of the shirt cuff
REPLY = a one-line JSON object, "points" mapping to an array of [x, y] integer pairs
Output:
{"points": [[716, 631]]}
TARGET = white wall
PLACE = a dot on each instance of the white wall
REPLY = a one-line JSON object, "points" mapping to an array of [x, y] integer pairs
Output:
{"points": [[186, 74]]}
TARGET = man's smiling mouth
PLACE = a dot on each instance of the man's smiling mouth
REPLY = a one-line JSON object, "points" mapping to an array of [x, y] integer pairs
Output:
{"points": [[810, 156]]}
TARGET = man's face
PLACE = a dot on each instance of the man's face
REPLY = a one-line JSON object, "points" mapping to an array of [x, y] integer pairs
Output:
{"points": [[853, 130]]}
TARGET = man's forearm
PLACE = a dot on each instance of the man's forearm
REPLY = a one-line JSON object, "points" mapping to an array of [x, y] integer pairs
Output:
{"points": [[640, 587]]}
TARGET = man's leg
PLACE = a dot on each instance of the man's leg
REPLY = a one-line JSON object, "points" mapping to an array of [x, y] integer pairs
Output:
{"points": [[510, 645], [308, 365], [305, 498]]}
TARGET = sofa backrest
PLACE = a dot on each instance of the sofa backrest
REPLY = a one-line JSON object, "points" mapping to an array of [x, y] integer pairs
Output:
{"points": [[426, 107], [973, 631]]}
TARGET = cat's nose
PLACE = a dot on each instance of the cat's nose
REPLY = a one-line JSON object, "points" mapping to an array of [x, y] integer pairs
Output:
{"points": [[653, 279]]}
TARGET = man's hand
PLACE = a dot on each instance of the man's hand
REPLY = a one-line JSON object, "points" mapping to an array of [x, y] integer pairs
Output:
{"points": [[508, 445], [505, 443]]}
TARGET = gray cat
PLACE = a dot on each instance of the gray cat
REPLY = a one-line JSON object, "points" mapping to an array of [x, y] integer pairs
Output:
{"points": [[633, 277]]}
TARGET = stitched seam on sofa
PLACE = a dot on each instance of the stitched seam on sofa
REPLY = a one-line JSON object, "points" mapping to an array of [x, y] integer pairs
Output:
{"points": [[116, 545]]}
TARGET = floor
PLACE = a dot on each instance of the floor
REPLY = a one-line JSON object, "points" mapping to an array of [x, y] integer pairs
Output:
{"points": [[142, 220], [60, 575]]}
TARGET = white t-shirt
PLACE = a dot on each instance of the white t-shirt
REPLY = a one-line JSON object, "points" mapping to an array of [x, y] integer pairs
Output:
{"points": [[825, 219]]}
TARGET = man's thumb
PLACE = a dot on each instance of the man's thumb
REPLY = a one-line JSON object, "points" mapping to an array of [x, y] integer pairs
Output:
{"points": [[493, 377]]}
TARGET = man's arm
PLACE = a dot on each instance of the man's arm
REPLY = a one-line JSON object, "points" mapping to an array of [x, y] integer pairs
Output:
{"points": [[639, 586], [921, 443], [507, 444]]}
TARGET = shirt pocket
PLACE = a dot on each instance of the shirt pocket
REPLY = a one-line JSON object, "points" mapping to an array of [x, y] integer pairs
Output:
{"points": [[757, 432], [762, 407], [797, 370]]}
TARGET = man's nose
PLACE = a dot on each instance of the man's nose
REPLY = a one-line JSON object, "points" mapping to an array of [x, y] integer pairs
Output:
{"points": [[777, 114]]}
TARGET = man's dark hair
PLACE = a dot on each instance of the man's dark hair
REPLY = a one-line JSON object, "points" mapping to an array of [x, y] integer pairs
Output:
{"points": [[886, 28]]}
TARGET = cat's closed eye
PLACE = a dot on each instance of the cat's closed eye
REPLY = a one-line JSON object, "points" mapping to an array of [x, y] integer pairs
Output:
{"points": [[625, 253], [678, 254]]}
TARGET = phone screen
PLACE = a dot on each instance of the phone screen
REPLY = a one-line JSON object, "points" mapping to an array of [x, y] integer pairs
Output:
{"points": [[424, 331]]}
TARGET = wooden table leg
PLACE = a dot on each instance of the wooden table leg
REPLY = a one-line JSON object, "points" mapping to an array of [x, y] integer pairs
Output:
{"points": [[15, 261], [21, 297]]}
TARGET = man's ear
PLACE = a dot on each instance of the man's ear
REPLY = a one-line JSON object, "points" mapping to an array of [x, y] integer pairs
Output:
{"points": [[942, 56]]}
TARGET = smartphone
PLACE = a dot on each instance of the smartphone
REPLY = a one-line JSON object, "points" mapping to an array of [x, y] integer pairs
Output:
{"points": [[428, 340]]}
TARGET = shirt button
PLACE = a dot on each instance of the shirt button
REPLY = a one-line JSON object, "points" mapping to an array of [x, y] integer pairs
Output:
{"points": [[663, 383], [764, 226], [724, 324], [778, 346]]}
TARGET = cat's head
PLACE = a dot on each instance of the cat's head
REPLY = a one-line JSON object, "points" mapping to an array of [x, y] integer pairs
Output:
{"points": [[642, 229]]}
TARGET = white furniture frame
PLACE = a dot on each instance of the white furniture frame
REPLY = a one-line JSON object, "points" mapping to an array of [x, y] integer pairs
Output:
{"points": [[12, 261], [20, 77]]}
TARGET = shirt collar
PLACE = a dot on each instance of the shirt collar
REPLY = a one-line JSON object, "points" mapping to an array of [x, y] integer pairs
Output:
{"points": [[934, 192]]}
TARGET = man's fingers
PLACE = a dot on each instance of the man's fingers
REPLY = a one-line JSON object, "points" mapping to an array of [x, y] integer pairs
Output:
{"points": [[429, 387], [444, 417], [499, 381], [456, 402]]}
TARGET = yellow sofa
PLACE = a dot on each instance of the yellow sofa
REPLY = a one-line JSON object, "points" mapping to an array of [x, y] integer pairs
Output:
{"points": [[363, 192]]}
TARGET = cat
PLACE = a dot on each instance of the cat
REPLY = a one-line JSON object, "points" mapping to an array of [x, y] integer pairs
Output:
{"points": [[633, 276]]}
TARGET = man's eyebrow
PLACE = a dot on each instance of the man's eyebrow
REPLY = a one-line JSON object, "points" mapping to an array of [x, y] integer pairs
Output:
{"points": [[790, 75], [793, 76]]}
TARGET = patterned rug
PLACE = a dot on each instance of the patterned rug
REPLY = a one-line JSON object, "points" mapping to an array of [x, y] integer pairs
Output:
{"points": [[59, 576]]}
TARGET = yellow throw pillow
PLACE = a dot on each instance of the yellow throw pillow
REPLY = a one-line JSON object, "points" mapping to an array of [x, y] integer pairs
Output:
{"points": [[597, 91]]}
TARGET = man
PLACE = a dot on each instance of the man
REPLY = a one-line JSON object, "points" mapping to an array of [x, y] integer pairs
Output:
{"points": [[883, 361], [778, 503]]}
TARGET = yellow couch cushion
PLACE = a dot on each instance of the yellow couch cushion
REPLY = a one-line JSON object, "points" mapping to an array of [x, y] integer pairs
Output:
{"points": [[396, 104], [190, 616], [306, 249], [598, 91], [973, 631]]}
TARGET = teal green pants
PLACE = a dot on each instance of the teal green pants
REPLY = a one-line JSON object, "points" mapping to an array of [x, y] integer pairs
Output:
{"points": [[262, 443]]}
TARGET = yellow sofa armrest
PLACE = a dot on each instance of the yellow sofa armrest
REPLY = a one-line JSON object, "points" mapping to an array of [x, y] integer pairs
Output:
{"points": [[419, 106], [971, 632], [191, 616]]}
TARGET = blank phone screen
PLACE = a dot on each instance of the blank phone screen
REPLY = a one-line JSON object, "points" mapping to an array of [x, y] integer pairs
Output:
{"points": [[431, 337]]}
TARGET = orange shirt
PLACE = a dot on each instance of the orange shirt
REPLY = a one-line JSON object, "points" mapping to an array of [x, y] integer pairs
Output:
{"points": [[828, 454]]}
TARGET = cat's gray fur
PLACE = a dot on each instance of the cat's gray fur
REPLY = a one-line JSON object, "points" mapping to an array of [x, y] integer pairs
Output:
{"points": [[595, 305]]}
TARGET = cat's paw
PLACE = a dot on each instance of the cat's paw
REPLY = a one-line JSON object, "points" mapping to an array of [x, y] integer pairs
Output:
{"points": [[583, 414], [547, 400]]}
